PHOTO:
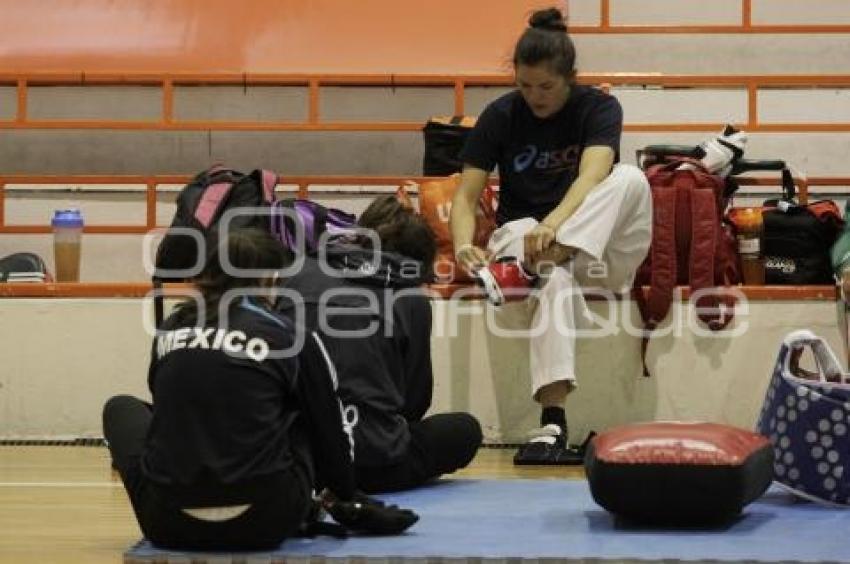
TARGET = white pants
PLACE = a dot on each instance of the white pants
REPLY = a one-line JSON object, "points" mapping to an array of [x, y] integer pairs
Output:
{"points": [[612, 230]]}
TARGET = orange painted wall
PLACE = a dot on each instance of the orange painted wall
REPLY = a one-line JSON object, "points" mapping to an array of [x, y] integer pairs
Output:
{"points": [[271, 36]]}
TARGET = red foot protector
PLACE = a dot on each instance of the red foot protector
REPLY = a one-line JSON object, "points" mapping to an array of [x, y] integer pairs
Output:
{"points": [[504, 281], [678, 473]]}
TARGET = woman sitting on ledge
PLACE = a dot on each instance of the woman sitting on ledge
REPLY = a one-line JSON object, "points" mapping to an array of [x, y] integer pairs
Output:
{"points": [[570, 216]]}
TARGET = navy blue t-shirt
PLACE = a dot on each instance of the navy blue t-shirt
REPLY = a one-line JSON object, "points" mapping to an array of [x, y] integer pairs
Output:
{"points": [[538, 158]]}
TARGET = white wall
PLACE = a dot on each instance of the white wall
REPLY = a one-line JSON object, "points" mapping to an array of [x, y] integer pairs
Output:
{"points": [[64, 358]]}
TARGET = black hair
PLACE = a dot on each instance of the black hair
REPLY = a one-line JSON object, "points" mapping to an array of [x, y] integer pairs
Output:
{"points": [[401, 230], [254, 249], [546, 41]]}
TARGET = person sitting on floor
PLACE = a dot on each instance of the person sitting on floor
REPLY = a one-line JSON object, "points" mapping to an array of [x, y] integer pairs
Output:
{"points": [[375, 318], [245, 421]]}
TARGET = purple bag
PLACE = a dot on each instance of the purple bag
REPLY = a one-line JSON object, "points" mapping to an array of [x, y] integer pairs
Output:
{"points": [[295, 220], [806, 415]]}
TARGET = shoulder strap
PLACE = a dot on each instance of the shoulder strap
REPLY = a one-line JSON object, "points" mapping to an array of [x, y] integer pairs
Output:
{"points": [[704, 238], [211, 201], [222, 181], [268, 180], [705, 254], [663, 264], [218, 181], [664, 260]]}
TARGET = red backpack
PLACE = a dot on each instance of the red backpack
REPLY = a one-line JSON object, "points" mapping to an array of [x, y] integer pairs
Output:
{"points": [[692, 245]]}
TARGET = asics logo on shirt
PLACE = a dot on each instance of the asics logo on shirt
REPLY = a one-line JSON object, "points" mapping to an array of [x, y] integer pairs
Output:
{"points": [[556, 160], [211, 338]]}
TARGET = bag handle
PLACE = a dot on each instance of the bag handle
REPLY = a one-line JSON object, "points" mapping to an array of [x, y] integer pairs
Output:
{"points": [[660, 153], [789, 187], [402, 194], [218, 173], [748, 165], [789, 190], [829, 369], [676, 162]]}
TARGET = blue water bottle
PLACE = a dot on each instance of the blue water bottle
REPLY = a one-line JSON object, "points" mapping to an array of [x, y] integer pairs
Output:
{"points": [[67, 244]]}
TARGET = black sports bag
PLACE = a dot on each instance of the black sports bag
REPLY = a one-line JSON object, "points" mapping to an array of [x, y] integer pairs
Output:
{"points": [[798, 238]]}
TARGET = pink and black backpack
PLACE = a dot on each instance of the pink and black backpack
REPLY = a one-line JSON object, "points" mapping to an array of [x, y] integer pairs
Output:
{"points": [[200, 206]]}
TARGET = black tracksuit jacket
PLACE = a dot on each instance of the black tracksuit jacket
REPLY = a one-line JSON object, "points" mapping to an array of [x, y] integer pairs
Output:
{"points": [[234, 405], [385, 372]]}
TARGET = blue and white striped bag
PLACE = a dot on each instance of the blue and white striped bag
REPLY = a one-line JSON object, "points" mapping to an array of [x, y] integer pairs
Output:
{"points": [[806, 415]]}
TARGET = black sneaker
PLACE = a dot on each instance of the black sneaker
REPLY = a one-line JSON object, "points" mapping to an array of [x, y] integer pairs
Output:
{"points": [[548, 447]]}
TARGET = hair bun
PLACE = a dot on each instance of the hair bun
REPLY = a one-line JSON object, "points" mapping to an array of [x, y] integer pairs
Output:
{"points": [[550, 19]]}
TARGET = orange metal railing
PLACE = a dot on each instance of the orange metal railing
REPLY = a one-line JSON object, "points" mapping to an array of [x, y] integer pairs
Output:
{"points": [[746, 26], [151, 183], [142, 289], [303, 184], [459, 83], [89, 290]]}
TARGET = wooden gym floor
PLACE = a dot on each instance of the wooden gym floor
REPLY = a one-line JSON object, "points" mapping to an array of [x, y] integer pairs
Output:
{"points": [[64, 504]]}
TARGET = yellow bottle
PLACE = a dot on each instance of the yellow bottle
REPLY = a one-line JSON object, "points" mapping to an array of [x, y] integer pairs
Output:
{"points": [[749, 227]]}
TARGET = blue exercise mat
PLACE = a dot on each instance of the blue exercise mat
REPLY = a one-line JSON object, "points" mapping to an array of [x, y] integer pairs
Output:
{"points": [[558, 519]]}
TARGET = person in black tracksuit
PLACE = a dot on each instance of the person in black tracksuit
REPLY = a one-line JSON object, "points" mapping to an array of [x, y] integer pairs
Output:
{"points": [[375, 319], [245, 422]]}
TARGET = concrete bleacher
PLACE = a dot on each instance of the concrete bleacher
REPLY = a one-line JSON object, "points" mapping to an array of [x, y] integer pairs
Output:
{"points": [[58, 348]]}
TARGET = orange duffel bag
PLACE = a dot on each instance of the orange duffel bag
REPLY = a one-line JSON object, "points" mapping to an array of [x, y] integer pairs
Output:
{"points": [[435, 204]]}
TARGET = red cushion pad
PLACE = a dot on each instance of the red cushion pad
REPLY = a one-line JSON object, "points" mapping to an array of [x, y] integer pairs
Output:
{"points": [[678, 443], [678, 473]]}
